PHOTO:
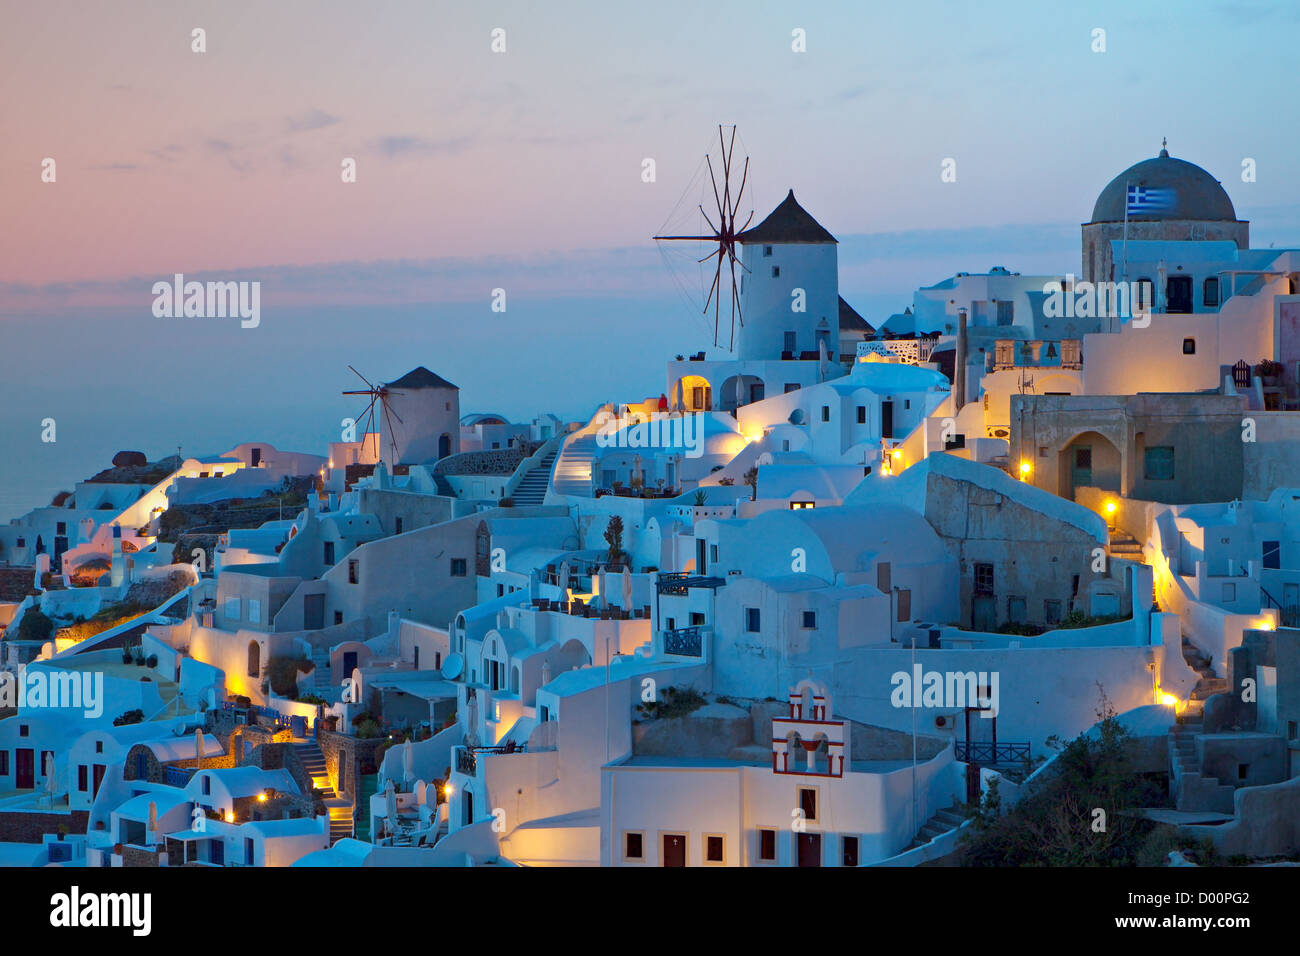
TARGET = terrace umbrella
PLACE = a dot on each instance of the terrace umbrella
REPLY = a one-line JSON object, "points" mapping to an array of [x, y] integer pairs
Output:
{"points": [[198, 747], [679, 398], [51, 782], [627, 588], [563, 579], [153, 820], [408, 762], [604, 587], [546, 672], [390, 798]]}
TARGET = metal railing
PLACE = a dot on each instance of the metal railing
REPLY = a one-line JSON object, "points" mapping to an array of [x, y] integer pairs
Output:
{"points": [[684, 641], [987, 752]]}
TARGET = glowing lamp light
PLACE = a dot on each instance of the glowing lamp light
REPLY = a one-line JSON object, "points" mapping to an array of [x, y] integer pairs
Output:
{"points": [[1169, 700], [261, 798], [898, 454], [1110, 507], [1025, 469], [448, 790], [230, 816]]}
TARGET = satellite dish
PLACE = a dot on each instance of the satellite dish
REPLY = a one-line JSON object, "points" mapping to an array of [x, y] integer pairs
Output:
{"points": [[453, 666]]}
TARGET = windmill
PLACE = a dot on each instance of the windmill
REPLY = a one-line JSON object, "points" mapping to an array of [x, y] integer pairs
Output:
{"points": [[723, 235], [378, 394]]}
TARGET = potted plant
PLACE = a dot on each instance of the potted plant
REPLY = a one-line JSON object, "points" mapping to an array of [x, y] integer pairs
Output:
{"points": [[1269, 371]]}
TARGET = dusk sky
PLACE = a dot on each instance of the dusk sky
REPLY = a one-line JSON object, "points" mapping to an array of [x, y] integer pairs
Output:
{"points": [[522, 170]]}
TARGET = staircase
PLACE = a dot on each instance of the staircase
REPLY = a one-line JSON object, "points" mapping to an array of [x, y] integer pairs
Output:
{"points": [[369, 786], [340, 811], [573, 468], [531, 489], [1193, 790], [1208, 685], [320, 657], [942, 822], [1124, 545]]}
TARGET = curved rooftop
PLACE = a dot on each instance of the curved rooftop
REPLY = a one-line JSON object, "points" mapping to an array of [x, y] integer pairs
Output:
{"points": [[1182, 190]]}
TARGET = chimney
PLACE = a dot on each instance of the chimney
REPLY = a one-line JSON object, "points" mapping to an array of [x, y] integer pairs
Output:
{"points": [[959, 364]]}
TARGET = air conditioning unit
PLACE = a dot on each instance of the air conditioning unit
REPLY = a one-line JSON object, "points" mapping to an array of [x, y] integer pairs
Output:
{"points": [[945, 722]]}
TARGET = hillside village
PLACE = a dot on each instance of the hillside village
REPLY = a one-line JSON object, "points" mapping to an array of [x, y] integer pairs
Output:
{"points": [[835, 597]]}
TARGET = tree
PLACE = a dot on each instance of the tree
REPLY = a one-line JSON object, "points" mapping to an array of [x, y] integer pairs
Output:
{"points": [[751, 479], [614, 538], [35, 626]]}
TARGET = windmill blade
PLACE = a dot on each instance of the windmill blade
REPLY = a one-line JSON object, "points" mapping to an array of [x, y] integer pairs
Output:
{"points": [[392, 438], [363, 378], [714, 180], [389, 409], [716, 230], [715, 252], [743, 177]]}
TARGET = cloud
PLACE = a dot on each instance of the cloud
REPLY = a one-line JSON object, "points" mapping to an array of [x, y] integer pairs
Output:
{"points": [[393, 146], [310, 120]]}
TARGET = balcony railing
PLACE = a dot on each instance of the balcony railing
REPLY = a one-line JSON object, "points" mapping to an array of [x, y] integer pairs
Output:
{"points": [[177, 776], [678, 582], [987, 752], [684, 641]]}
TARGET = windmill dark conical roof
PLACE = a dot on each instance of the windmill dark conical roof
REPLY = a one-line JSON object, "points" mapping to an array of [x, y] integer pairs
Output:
{"points": [[788, 222], [421, 377]]}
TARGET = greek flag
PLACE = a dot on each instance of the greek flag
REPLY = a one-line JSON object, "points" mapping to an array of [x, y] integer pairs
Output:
{"points": [[1148, 199]]}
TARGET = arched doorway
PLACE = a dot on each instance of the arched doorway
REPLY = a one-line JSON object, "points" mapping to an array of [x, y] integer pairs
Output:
{"points": [[444, 445], [254, 659], [740, 390], [1090, 460], [696, 393]]}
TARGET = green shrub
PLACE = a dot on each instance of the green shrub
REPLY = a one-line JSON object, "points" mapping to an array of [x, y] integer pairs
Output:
{"points": [[35, 626]]}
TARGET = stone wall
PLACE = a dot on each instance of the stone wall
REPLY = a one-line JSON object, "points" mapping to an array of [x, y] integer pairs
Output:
{"points": [[22, 826]]}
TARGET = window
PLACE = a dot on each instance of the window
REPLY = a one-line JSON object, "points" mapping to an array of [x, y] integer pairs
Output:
{"points": [[61, 528], [1189, 346], [352, 571], [883, 576], [791, 386], [633, 846], [788, 345], [713, 554], [714, 848], [767, 250], [809, 620], [22, 542], [1243, 770], [766, 845], [248, 851], [983, 579], [82, 782], [849, 851], [24, 730], [808, 803], [458, 567], [697, 619], [1229, 592], [1273, 555], [826, 413], [338, 617], [1210, 293], [207, 785], [232, 609], [752, 620], [397, 522], [776, 272], [99, 746], [254, 611], [4, 762], [862, 414], [1051, 611], [800, 505], [1158, 463], [329, 553]]}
